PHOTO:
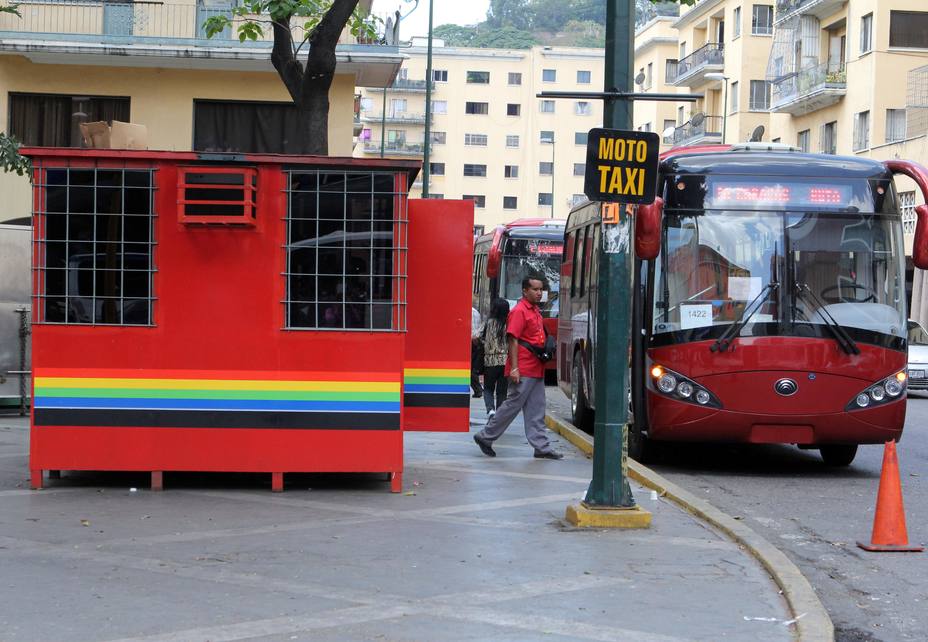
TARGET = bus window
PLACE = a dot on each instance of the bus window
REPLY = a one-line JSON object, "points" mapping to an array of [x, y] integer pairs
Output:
{"points": [[580, 263], [587, 257], [594, 259], [575, 255], [532, 258]]}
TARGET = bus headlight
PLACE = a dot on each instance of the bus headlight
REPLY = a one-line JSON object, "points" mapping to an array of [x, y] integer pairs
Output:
{"points": [[879, 393], [676, 386]]}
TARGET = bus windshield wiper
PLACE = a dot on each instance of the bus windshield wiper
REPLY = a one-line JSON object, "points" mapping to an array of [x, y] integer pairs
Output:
{"points": [[723, 342], [841, 336]]}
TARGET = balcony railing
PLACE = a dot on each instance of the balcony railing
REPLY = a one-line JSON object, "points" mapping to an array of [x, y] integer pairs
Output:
{"points": [[808, 81], [710, 54], [131, 22], [395, 148], [406, 85], [393, 117], [708, 128]]}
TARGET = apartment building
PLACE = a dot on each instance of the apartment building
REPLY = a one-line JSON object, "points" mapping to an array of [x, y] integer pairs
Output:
{"points": [[656, 67], [492, 139], [64, 63]]}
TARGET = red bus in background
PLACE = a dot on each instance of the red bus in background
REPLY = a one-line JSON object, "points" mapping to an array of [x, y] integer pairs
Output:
{"points": [[772, 308], [527, 247]]}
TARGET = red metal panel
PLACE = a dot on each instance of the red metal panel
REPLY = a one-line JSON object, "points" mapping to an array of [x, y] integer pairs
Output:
{"points": [[441, 246]]}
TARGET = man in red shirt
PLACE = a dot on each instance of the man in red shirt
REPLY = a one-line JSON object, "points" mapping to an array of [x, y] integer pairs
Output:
{"points": [[526, 373]]}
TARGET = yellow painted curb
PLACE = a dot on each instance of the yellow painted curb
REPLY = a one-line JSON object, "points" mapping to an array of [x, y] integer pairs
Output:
{"points": [[812, 622], [586, 517]]}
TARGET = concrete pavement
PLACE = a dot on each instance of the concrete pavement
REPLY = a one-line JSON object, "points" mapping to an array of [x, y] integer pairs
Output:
{"points": [[474, 549]]}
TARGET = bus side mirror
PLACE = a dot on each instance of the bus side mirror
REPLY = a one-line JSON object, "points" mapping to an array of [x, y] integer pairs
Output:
{"points": [[920, 175], [648, 230]]}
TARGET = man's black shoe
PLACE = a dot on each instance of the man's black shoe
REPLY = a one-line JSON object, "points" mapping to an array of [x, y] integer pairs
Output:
{"points": [[485, 446], [546, 455]]}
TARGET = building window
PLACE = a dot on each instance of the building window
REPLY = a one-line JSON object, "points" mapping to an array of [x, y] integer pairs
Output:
{"points": [[49, 120], [94, 242], [545, 198], [682, 50], [734, 97], [549, 75], [546, 168], [583, 108], [681, 115], [513, 109], [512, 140], [907, 210], [511, 171], [584, 77], [547, 106], [760, 95], [762, 20], [866, 28], [645, 128], [480, 201], [895, 125], [830, 137], [478, 77], [397, 105], [396, 136], [515, 78], [670, 70], [803, 140], [474, 170], [736, 19], [439, 106], [367, 104], [546, 136], [438, 138], [579, 169], [510, 202], [908, 29], [437, 169], [861, 130], [476, 108], [334, 282], [440, 75], [478, 140], [579, 137]]}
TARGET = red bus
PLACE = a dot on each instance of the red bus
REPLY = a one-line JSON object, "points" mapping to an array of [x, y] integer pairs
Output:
{"points": [[772, 309], [525, 247]]}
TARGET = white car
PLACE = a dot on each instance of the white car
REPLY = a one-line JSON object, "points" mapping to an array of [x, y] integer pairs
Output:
{"points": [[918, 357]]}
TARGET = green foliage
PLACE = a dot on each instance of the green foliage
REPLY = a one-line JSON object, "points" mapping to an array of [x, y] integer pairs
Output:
{"points": [[11, 8], [505, 38], [10, 158], [585, 33], [251, 17], [455, 35], [509, 13]]}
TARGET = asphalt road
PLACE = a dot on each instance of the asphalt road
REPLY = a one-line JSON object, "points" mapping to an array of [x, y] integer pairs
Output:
{"points": [[816, 514]]}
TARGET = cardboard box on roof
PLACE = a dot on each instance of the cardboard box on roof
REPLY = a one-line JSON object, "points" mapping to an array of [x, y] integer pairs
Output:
{"points": [[121, 135]]}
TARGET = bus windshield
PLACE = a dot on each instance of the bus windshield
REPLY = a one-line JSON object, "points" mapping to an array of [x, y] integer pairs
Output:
{"points": [[536, 258], [716, 266]]}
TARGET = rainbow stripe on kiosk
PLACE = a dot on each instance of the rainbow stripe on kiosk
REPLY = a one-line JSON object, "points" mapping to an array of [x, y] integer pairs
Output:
{"points": [[217, 399], [433, 387]]}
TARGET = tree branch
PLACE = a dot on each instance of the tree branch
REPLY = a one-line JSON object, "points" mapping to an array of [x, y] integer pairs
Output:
{"points": [[284, 59]]}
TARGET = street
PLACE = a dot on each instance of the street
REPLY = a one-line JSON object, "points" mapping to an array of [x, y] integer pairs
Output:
{"points": [[816, 515]]}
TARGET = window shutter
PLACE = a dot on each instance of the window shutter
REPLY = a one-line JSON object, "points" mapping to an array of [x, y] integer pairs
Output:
{"points": [[217, 195]]}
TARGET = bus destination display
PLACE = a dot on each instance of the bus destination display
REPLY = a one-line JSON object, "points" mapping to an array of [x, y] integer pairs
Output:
{"points": [[742, 194]]}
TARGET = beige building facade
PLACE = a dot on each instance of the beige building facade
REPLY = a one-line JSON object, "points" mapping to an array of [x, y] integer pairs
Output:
{"points": [[63, 64]]}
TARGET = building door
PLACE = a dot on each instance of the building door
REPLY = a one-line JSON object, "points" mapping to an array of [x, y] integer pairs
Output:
{"points": [[118, 18], [721, 33]]}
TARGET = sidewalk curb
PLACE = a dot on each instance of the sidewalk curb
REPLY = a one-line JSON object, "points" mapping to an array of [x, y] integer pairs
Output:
{"points": [[813, 623]]}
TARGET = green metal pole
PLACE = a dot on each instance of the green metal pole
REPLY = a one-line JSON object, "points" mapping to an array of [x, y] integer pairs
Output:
{"points": [[609, 487], [428, 110]]}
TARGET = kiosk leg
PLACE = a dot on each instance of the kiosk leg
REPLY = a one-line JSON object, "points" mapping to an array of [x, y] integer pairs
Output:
{"points": [[277, 482], [396, 482], [157, 480], [35, 479], [54, 474]]}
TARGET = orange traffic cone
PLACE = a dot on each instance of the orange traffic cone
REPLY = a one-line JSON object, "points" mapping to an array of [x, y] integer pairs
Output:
{"points": [[889, 532]]}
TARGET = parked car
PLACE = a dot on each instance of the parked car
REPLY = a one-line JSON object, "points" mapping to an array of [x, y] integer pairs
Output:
{"points": [[918, 357]]}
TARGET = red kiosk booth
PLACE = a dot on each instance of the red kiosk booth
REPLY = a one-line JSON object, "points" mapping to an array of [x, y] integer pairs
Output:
{"points": [[242, 313]]}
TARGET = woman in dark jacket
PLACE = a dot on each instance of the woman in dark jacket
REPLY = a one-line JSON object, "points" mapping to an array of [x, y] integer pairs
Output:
{"points": [[495, 349]]}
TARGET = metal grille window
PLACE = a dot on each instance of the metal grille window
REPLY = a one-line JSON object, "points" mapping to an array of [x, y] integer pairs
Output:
{"points": [[762, 20], [474, 170], [907, 209], [479, 140], [908, 29], [895, 125], [93, 246], [760, 95], [346, 251], [862, 130]]}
